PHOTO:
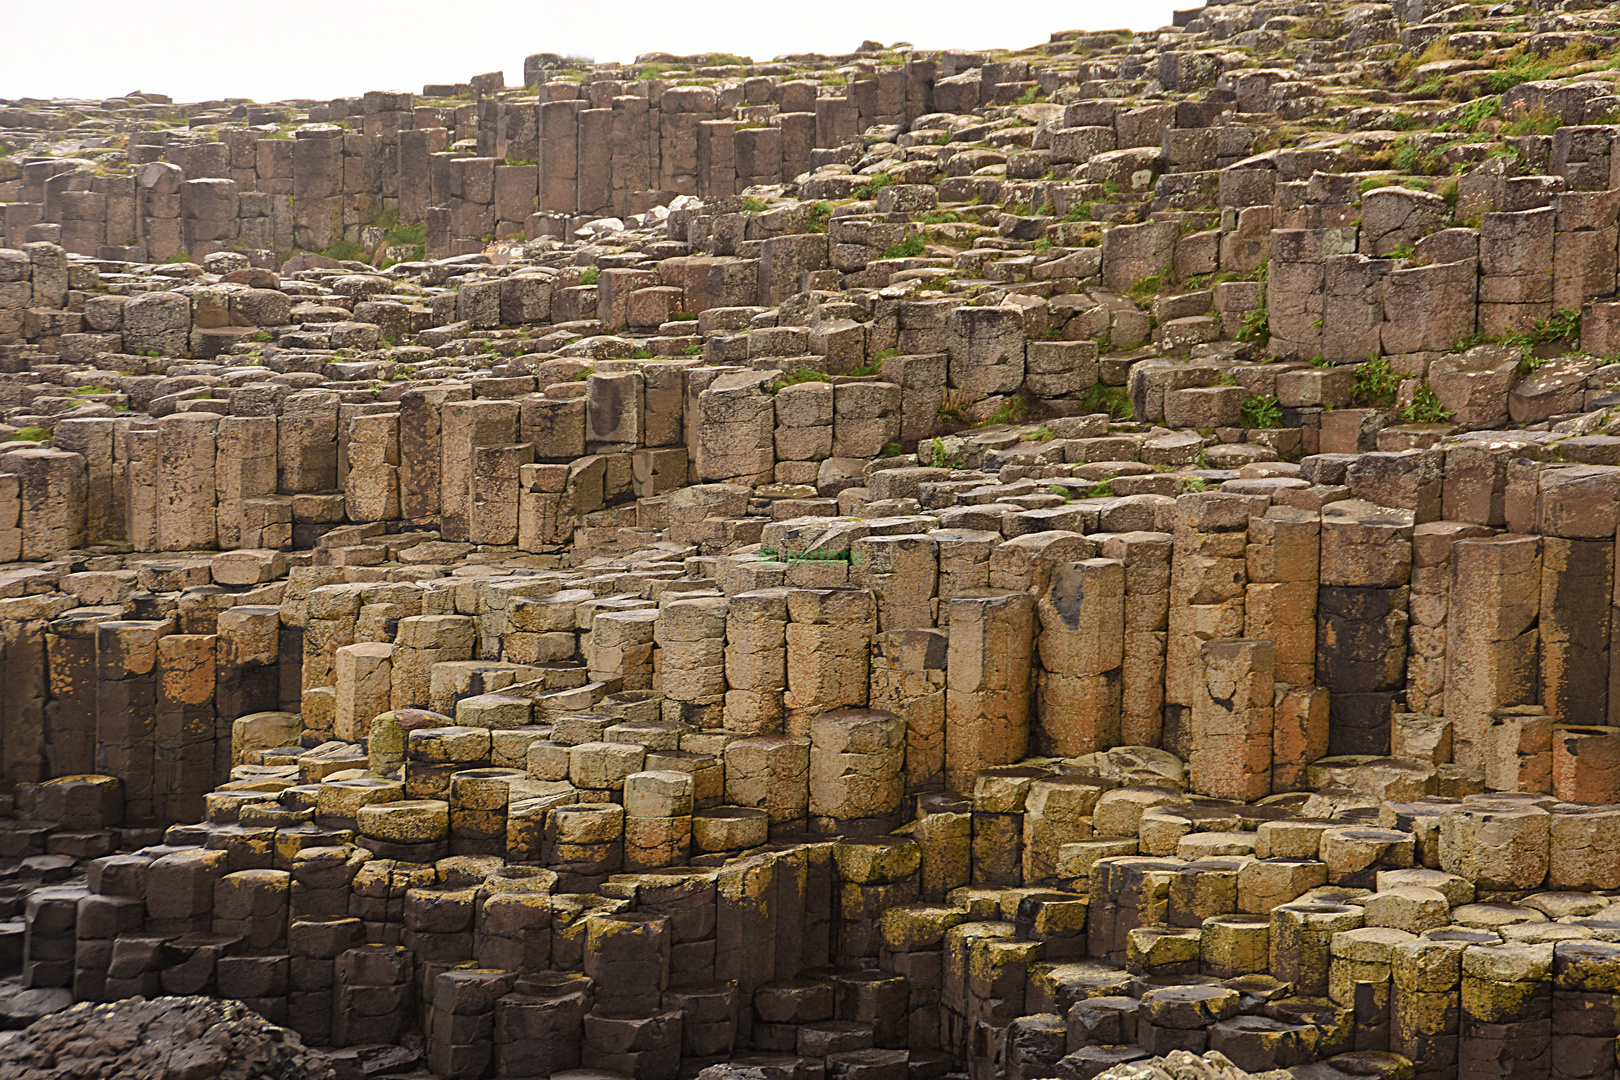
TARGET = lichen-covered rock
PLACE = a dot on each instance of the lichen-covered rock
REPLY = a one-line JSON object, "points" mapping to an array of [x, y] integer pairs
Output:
{"points": [[167, 1038]]}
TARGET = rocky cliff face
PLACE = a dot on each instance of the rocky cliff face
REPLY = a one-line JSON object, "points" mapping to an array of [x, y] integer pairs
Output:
{"points": [[1092, 560]]}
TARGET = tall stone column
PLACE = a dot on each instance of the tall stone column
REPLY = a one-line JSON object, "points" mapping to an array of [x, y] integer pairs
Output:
{"points": [[467, 425], [306, 451], [1147, 559], [908, 679], [828, 652], [186, 727], [1232, 719], [902, 572], [1081, 648], [420, 446], [987, 684], [52, 484], [244, 468], [186, 492], [756, 660], [371, 489], [691, 638], [1577, 586], [1491, 636], [126, 701], [1361, 620], [1208, 577], [1280, 599], [95, 439]]}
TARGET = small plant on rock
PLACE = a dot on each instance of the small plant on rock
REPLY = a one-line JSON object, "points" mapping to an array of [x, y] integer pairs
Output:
{"points": [[1375, 384], [875, 183], [1256, 327], [954, 408], [1262, 412], [909, 248], [940, 456], [1146, 289], [873, 366], [1107, 399], [803, 375], [1009, 413], [1426, 407]]}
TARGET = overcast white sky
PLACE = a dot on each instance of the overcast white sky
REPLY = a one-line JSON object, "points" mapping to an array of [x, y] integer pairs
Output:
{"points": [[194, 50]]}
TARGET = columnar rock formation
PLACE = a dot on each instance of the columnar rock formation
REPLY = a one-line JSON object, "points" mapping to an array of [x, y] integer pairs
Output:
{"points": [[886, 567]]}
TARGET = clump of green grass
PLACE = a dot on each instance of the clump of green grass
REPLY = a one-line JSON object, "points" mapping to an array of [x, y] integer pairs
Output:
{"points": [[1262, 412], [1536, 122], [1478, 111], [405, 236], [1010, 413], [1113, 400], [875, 183], [345, 251], [1404, 155], [1146, 289], [909, 248], [1521, 69], [30, 434], [803, 375], [873, 366]]}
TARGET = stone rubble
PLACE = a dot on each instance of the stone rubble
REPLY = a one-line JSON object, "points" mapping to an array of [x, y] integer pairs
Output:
{"points": [[166, 1038]]}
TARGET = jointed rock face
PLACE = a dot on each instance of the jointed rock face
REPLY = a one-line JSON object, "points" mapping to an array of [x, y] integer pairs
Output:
{"points": [[1090, 561]]}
